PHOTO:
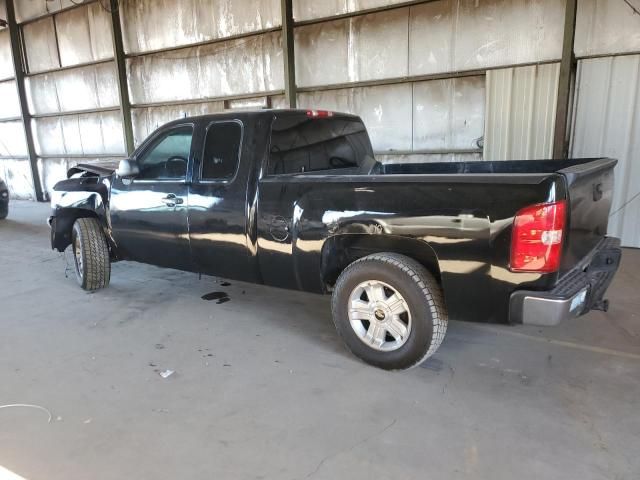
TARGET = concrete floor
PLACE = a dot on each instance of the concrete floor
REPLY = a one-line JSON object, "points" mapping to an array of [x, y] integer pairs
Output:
{"points": [[264, 389]]}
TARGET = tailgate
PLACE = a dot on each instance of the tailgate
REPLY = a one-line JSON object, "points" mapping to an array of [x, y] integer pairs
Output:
{"points": [[590, 192]]}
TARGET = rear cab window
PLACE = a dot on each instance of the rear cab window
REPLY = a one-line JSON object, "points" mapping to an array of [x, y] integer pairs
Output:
{"points": [[301, 143], [221, 155]]}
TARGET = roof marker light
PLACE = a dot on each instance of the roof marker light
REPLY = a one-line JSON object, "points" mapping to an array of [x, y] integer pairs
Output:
{"points": [[319, 114]]}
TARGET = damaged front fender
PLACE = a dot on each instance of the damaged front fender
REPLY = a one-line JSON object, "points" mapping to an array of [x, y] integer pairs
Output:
{"points": [[72, 199]]}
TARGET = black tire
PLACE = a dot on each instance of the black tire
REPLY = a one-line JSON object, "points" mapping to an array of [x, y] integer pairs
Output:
{"points": [[90, 254], [421, 294]]}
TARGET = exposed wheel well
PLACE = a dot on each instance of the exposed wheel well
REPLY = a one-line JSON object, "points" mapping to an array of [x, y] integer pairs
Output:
{"points": [[62, 226], [340, 251]]}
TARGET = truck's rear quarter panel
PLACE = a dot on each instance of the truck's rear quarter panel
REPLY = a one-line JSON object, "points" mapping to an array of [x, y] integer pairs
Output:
{"points": [[466, 221]]}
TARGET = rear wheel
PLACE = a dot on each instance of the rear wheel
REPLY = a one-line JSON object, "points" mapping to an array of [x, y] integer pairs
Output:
{"points": [[389, 311], [90, 254]]}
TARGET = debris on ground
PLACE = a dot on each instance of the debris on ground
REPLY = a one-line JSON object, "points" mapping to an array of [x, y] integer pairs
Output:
{"points": [[221, 297], [167, 373], [27, 405]]}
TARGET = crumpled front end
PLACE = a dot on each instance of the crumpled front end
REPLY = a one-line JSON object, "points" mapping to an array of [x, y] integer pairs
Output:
{"points": [[77, 197]]}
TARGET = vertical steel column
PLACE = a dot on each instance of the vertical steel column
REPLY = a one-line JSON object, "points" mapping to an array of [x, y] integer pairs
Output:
{"points": [[565, 85], [18, 68], [121, 71], [290, 89]]}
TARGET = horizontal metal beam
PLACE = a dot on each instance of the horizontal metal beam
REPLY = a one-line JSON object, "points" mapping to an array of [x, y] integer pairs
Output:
{"points": [[452, 151], [82, 155], [212, 41], [76, 112], [10, 119], [178, 103], [391, 81], [7, 79], [359, 13], [70, 67], [416, 78], [607, 55], [76, 4], [14, 157]]}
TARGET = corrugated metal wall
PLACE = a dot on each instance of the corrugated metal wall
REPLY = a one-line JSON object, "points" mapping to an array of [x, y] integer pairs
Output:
{"points": [[75, 106], [521, 112], [607, 103], [437, 120], [606, 27], [14, 165], [494, 95], [183, 58], [429, 117], [607, 123]]}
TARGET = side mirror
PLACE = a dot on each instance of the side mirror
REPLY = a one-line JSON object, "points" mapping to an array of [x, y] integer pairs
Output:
{"points": [[127, 168]]}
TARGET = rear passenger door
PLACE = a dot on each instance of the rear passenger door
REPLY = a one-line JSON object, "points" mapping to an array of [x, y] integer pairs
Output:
{"points": [[217, 204]]}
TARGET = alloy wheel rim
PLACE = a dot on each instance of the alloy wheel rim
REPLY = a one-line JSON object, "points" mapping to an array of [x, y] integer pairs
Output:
{"points": [[379, 315]]}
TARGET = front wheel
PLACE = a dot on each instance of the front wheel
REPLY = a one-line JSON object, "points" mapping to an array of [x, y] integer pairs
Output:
{"points": [[90, 254], [389, 311]]}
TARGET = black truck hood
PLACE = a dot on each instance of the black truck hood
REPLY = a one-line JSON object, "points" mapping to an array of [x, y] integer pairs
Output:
{"points": [[99, 168]]}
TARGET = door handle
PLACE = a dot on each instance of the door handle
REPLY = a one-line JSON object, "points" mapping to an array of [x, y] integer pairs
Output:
{"points": [[171, 200]]}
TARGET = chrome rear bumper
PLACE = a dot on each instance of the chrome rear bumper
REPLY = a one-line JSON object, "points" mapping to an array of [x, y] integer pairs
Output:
{"points": [[579, 291]]}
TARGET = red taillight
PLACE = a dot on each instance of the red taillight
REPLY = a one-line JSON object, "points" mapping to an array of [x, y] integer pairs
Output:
{"points": [[538, 232], [319, 114]]}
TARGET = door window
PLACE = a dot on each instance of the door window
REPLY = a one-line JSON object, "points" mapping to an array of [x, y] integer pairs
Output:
{"points": [[168, 157], [221, 151]]}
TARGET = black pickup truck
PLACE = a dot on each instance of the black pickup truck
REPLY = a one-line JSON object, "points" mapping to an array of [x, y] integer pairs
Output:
{"points": [[295, 199]]}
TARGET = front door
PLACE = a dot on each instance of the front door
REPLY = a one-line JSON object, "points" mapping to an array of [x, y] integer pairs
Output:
{"points": [[149, 212]]}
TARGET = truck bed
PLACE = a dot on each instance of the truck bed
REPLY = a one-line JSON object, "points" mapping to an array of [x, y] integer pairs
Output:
{"points": [[589, 184], [586, 184], [487, 167]]}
